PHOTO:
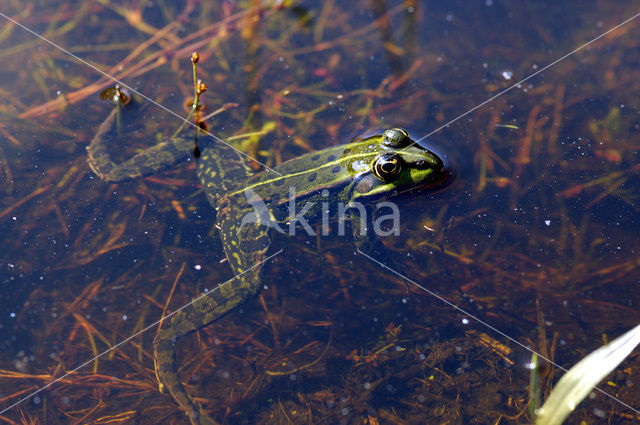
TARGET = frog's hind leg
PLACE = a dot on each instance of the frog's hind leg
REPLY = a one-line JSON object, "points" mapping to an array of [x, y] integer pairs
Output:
{"points": [[200, 312], [149, 161], [246, 249]]}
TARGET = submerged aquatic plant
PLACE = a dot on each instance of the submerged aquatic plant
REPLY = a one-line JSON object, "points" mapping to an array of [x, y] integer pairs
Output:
{"points": [[580, 380]]}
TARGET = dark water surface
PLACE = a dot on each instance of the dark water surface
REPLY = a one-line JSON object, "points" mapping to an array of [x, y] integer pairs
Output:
{"points": [[538, 235]]}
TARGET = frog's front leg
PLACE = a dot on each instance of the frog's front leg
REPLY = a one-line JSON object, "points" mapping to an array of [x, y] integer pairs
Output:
{"points": [[149, 161], [363, 232]]}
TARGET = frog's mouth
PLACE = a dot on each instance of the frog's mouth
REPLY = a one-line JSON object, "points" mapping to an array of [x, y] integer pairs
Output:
{"points": [[445, 178]]}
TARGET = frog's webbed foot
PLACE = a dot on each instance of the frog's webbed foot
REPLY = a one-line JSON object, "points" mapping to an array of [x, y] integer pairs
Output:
{"points": [[149, 161], [168, 379]]}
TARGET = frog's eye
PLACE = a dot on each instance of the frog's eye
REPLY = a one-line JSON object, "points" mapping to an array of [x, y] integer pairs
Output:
{"points": [[396, 137], [387, 166]]}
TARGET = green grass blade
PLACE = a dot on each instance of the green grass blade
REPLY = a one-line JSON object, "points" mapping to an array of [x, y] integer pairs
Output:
{"points": [[574, 386]]}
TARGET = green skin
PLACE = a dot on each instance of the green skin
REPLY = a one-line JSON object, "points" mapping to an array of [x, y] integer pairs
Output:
{"points": [[363, 170]]}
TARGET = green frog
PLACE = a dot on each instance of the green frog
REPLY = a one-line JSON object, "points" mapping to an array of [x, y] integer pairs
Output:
{"points": [[253, 207]]}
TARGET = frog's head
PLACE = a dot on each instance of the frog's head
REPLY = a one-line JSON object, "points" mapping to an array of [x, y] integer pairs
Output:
{"points": [[393, 163]]}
